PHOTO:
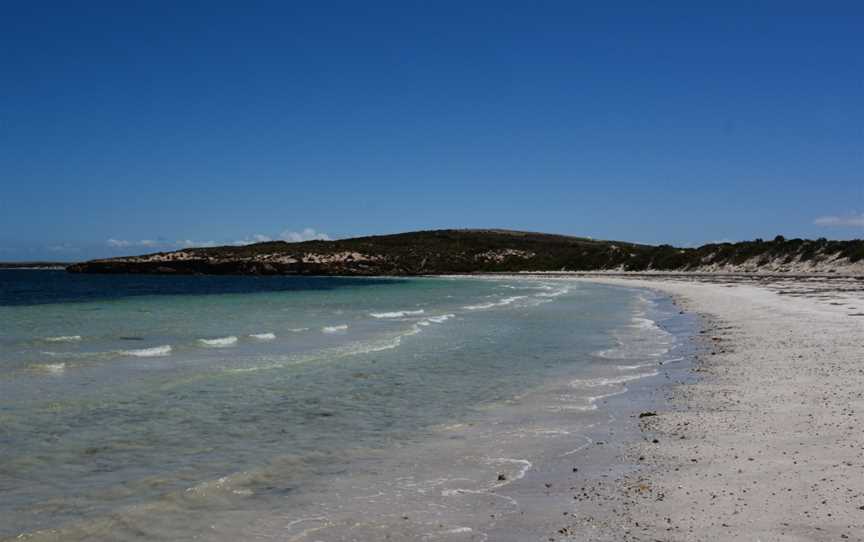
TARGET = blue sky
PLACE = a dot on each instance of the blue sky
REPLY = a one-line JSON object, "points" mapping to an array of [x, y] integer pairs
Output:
{"points": [[127, 127]]}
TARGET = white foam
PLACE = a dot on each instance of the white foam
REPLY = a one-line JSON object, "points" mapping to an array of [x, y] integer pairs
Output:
{"points": [[504, 302], [335, 329], [298, 329], [644, 323], [594, 398], [479, 307], [156, 351], [53, 368], [556, 293], [551, 432], [579, 408], [596, 382], [588, 442], [396, 314], [221, 342], [631, 367], [350, 349], [63, 339], [526, 466], [440, 319], [263, 336]]}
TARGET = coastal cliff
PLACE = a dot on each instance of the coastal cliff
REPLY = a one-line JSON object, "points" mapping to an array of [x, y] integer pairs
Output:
{"points": [[474, 251]]}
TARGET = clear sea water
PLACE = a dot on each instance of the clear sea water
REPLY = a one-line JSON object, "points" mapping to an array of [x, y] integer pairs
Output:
{"points": [[288, 408]]}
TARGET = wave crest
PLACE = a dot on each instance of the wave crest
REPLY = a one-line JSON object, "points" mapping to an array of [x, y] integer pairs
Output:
{"points": [[221, 342], [156, 351], [63, 339], [396, 314]]}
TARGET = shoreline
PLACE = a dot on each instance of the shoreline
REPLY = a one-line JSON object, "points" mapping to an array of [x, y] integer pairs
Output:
{"points": [[751, 434], [767, 444], [503, 469]]}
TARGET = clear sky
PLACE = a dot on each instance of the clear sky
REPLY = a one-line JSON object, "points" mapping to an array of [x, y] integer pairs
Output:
{"points": [[127, 127]]}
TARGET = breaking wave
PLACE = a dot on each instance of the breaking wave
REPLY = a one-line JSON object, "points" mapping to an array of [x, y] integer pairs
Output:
{"points": [[396, 314], [63, 339], [221, 342], [156, 351]]}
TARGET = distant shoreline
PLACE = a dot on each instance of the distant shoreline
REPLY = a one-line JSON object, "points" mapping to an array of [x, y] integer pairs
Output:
{"points": [[441, 252], [51, 266]]}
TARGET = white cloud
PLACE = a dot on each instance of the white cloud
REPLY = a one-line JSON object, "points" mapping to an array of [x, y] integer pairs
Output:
{"points": [[257, 238], [851, 221], [119, 243], [308, 234]]}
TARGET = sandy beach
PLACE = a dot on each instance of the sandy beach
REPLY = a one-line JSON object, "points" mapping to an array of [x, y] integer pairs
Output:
{"points": [[767, 444]]}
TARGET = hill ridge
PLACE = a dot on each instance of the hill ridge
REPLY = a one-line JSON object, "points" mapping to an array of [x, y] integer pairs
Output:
{"points": [[449, 251]]}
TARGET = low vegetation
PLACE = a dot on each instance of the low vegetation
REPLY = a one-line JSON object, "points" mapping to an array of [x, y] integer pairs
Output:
{"points": [[473, 251]]}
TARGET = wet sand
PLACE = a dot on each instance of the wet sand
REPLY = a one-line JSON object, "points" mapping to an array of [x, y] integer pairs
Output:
{"points": [[768, 444]]}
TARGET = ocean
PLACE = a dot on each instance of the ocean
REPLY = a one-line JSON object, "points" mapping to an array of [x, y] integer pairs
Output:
{"points": [[303, 408]]}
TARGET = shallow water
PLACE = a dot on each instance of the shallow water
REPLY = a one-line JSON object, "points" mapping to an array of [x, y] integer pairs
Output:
{"points": [[149, 408]]}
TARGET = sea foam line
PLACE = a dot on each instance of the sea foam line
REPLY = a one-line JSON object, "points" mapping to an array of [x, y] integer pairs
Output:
{"points": [[526, 466], [334, 329], [263, 336], [596, 382], [502, 303], [396, 314], [632, 367], [332, 353]]}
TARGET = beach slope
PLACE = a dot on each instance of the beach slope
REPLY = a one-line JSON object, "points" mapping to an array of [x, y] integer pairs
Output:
{"points": [[768, 444]]}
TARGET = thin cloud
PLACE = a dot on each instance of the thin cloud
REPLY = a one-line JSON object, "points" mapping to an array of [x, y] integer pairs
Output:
{"points": [[156, 244], [125, 243], [64, 247], [257, 238], [118, 243], [851, 221], [307, 234], [189, 243]]}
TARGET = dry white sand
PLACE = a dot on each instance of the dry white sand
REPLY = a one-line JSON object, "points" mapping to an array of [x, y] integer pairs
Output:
{"points": [[769, 444]]}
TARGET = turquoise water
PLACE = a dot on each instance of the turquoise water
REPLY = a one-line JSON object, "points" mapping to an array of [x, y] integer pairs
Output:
{"points": [[154, 408]]}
